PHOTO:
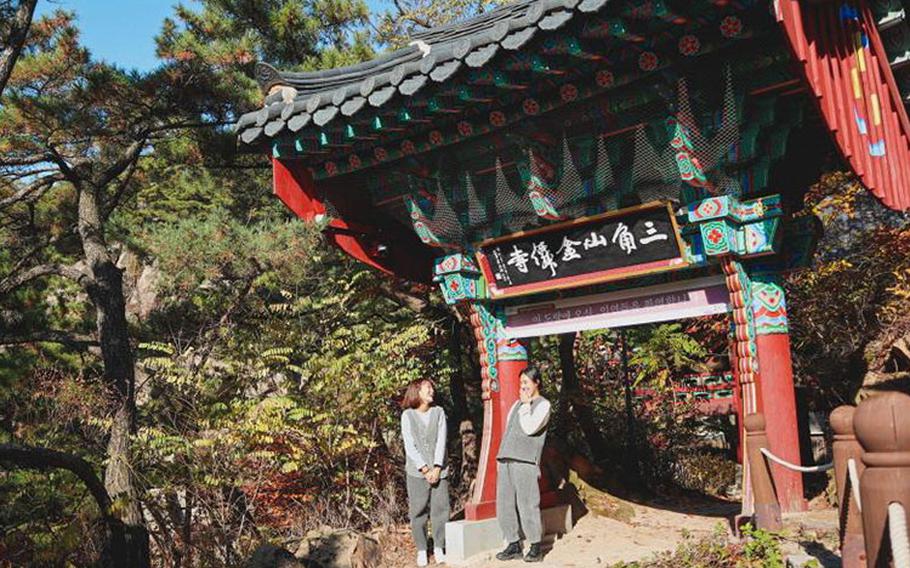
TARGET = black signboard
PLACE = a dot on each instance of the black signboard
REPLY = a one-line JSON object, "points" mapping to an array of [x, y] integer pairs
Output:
{"points": [[606, 247]]}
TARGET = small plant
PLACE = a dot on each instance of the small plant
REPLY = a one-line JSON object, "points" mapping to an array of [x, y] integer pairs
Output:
{"points": [[762, 548]]}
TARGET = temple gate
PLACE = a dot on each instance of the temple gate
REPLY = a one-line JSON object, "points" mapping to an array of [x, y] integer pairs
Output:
{"points": [[560, 165]]}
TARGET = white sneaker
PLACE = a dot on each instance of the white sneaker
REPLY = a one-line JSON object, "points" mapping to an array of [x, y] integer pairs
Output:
{"points": [[421, 557], [439, 555]]}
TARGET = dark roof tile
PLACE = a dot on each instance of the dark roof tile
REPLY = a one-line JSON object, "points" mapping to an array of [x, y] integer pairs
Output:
{"points": [[589, 6], [273, 127], [412, 85], [250, 135], [295, 107], [436, 54], [480, 57], [313, 103], [299, 121], [518, 39], [353, 106], [245, 120], [382, 96], [325, 115], [555, 20], [445, 71]]}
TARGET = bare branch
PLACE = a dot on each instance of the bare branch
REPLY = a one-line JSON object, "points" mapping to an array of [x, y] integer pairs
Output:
{"points": [[51, 336], [127, 158], [17, 279], [32, 192], [42, 458], [112, 204]]}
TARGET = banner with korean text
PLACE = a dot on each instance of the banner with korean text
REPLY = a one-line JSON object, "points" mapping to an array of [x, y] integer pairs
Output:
{"points": [[611, 246], [664, 302]]}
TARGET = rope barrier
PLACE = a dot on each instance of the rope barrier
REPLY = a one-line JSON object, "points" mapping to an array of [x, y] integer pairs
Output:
{"points": [[854, 483], [803, 468], [900, 540]]}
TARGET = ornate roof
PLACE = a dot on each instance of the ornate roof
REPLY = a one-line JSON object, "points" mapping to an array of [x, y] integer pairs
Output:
{"points": [[313, 100]]}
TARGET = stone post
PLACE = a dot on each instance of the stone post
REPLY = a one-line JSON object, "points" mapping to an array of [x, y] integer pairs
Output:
{"points": [[767, 509], [852, 545], [882, 425]]}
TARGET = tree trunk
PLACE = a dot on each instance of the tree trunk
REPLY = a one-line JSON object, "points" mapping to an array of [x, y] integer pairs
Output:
{"points": [[630, 460], [456, 385], [105, 291], [582, 411], [11, 43], [563, 402], [460, 412]]}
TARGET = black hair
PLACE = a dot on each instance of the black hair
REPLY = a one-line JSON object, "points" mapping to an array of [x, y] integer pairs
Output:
{"points": [[533, 373]]}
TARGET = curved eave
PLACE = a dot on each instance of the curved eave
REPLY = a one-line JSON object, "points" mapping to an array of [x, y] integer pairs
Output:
{"points": [[434, 56]]}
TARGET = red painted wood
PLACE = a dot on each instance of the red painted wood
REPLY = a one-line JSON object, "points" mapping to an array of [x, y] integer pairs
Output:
{"points": [[776, 386], [824, 43], [294, 185], [352, 245], [496, 412]]}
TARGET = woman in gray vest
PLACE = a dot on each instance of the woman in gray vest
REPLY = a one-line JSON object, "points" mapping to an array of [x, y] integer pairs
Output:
{"points": [[518, 468], [423, 430]]}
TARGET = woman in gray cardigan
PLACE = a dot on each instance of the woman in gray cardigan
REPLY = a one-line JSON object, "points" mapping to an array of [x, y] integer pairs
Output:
{"points": [[423, 430], [518, 468]]}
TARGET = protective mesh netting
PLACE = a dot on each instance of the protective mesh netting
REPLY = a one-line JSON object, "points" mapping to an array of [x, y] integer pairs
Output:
{"points": [[676, 145]]}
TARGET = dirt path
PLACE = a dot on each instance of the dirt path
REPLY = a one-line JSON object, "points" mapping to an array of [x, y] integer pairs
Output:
{"points": [[652, 528], [599, 541]]}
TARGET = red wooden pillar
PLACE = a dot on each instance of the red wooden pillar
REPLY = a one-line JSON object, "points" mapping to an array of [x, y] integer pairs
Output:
{"points": [[483, 502], [775, 382], [501, 361]]}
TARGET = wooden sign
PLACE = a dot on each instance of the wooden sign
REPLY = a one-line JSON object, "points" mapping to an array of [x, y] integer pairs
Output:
{"points": [[611, 246]]}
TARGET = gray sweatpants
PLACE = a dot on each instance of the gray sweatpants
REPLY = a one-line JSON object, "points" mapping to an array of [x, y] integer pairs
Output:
{"points": [[426, 502], [518, 496]]}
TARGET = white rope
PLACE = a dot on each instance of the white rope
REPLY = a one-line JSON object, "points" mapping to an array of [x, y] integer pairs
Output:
{"points": [[900, 541], [803, 468], [854, 483]]}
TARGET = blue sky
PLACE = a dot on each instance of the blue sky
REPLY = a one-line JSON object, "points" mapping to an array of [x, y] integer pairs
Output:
{"points": [[123, 32]]}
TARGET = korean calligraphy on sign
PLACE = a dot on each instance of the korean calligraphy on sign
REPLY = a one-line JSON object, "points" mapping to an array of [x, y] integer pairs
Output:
{"points": [[606, 247]]}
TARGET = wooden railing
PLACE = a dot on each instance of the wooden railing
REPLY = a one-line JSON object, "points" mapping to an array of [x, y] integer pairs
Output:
{"points": [[872, 473]]}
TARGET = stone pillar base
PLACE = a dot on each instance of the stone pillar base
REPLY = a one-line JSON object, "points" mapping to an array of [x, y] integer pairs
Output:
{"points": [[465, 539]]}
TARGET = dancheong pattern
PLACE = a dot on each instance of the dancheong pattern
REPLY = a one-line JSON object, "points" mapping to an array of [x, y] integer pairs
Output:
{"points": [[769, 306]]}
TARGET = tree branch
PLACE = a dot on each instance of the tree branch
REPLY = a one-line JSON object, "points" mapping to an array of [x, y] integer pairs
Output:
{"points": [[50, 336], [112, 204], [15, 280], [42, 458], [32, 192], [127, 158]]}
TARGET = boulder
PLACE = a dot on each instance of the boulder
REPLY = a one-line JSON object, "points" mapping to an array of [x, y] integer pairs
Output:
{"points": [[339, 548], [270, 556]]}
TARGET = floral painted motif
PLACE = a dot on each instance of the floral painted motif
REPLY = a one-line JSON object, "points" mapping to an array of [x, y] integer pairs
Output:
{"points": [[715, 236], [381, 154], [604, 78], [689, 45], [731, 26], [465, 128], [354, 161], [436, 138], [497, 118], [408, 147], [530, 106], [648, 61], [331, 168], [568, 92]]}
